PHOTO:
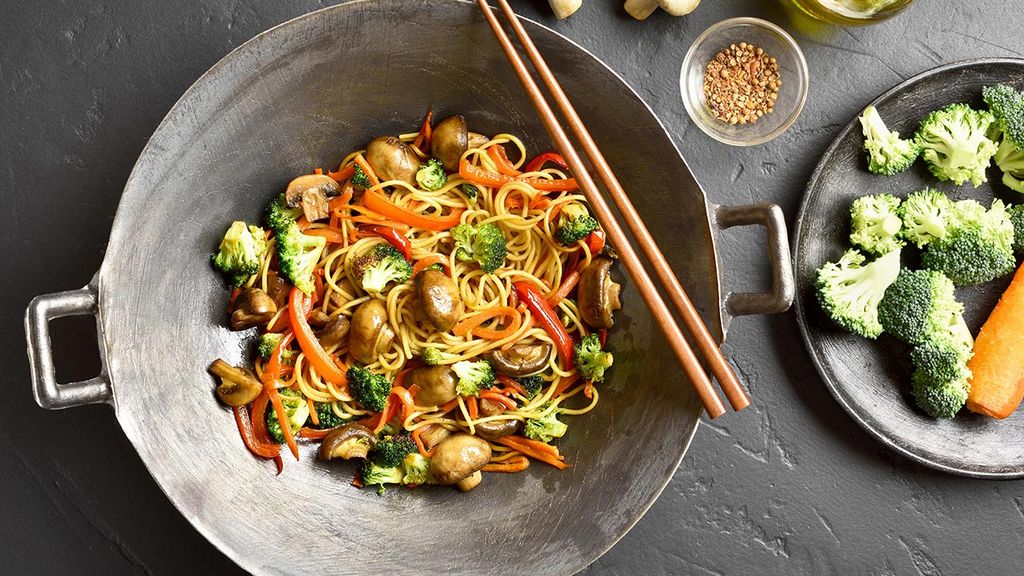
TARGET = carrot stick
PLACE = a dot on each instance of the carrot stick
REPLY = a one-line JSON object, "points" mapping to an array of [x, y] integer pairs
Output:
{"points": [[370, 175], [471, 324], [419, 442], [503, 400], [997, 367], [312, 434], [430, 260], [343, 173], [566, 382], [545, 457], [568, 284], [473, 408], [513, 464], [333, 235], [511, 383], [312, 412]]}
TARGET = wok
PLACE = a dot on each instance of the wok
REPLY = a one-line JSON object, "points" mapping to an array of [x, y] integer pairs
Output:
{"points": [[296, 97]]}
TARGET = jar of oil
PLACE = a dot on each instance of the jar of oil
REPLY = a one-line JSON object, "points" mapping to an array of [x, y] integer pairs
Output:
{"points": [[852, 12]]}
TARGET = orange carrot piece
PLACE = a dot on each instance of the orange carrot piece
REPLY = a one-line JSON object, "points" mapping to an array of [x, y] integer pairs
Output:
{"points": [[513, 464], [333, 235], [496, 397], [997, 368], [430, 260], [370, 175], [472, 407], [472, 323], [312, 412]]}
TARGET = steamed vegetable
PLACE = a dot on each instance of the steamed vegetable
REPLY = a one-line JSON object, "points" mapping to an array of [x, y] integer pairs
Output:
{"points": [[850, 290], [997, 368], [888, 154], [875, 223], [955, 145]]}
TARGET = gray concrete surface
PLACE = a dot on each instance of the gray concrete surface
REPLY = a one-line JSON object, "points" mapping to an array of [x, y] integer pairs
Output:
{"points": [[791, 487]]}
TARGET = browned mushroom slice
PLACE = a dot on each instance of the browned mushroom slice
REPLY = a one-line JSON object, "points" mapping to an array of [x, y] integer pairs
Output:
{"points": [[477, 140], [370, 333], [311, 193], [470, 482], [439, 299], [436, 383], [432, 435], [521, 359], [334, 331], [458, 457], [449, 141], [252, 308], [598, 294], [278, 289], [496, 428], [346, 442], [238, 386], [392, 159]]}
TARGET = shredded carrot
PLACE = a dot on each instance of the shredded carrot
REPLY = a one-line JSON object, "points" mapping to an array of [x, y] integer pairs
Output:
{"points": [[566, 382], [370, 175], [318, 171], [548, 456], [341, 201], [553, 215], [510, 382], [427, 261], [563, 291], [472, 323], [448, 406], [313, 434], [503, 400], [312, 412], [472, 407], [403, 400], [536, 445], [539, 202], [282, 418], [419, 442], [343, 173], [333, 235], [516, 463], [378, 202], [588, 390]]}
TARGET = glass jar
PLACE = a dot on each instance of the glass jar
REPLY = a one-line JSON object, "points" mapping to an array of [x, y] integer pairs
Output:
{"points": [[852, 12]]}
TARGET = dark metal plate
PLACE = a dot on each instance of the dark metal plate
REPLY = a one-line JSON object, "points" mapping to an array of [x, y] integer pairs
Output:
{"points": [[871, 379]]}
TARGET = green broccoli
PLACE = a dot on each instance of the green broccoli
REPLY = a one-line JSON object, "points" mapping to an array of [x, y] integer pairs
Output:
{"points": [[849, 290], [574, 223], [268, 343], [875, 223], [431, 175], [1010, 159], [978, 247], [939, 399], [591, 361], [369, 389], [417, 470], [1007, 105], [925, 215], [374, 474], [954, 143], [240, 252], [484, 244], [326, 415], [470, 191], [1016, 214], [379, 266], [433, 357], [392, 449], [473, 376], [939, 361], [917, 305], [360, 179], [888, 154], [546, 428], [532, 384], [298, 253], [297, 409]]}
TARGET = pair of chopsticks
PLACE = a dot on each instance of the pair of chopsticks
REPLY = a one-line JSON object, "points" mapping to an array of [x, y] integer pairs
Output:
{"points": [[734, 391]]}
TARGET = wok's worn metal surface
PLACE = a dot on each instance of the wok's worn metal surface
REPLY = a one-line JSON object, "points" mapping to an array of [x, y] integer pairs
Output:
{"points": [[871, 379], [794, 487]]}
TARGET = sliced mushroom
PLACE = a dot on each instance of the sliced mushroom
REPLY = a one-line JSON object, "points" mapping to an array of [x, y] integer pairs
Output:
{"points": [[238, 386], [521, 359], [311, 193], [318, 319], [346, 442], [496, 428], [477, 140], [437, 384], [252, 308], [449, 141], [370, 333], [458, 457], [334, 331], [470, 482], [432, 435], [598, 294], [392, 159], [278, 289], [490, 407], [439, 298]]}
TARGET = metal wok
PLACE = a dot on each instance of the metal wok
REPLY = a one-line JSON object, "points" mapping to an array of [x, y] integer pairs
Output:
{"points": [[296, 97]]}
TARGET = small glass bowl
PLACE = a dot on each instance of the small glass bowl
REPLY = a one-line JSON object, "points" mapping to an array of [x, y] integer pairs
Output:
{"points": [[792, 71]]}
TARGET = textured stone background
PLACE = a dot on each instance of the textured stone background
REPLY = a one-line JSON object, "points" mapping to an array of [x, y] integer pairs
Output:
{"points": [[792, 486]]}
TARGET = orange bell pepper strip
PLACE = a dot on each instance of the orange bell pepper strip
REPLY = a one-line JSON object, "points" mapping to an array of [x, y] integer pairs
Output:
{"points": [[376, 201], [298, 306], [501, 161], [567, 286], [478, 175]]}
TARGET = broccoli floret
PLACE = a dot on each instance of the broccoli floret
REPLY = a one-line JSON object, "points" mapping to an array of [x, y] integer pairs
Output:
{"points": [[433, 357], [925, 215], [268, 343], [1007, 105], [298, 253], [545, 428], [374, 474], [917, 305], [849, 290], [240, 252], [532, 384], [431, 175], [574, 224], [369, 389], [978, 247], [1010, 159], [1016, 214], [326, 416], [954, 143], [380, 266], [392, 449], [297, 409], [473, 376], [888, 154], [417, 470], [484, 244], [939, 399], [591, 361], [875, 223], [360, 179], [470, 191], [939, 361]]}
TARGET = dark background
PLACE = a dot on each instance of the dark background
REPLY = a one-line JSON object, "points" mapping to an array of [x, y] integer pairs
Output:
{"points": [[791, 486]]}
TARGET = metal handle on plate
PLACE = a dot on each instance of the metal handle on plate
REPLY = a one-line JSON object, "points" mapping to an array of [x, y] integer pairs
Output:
{"points": [[47, 392]]}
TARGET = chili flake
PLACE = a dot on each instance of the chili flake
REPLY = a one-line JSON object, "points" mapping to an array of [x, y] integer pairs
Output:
{"points": [[741, 84]]}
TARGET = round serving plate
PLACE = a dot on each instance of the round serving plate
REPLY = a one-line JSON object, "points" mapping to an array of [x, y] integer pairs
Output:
{"points": [[871, 379]]}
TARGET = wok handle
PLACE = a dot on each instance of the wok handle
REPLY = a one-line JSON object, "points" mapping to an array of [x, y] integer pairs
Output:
{"points": [[47, 392], [780, 296]]}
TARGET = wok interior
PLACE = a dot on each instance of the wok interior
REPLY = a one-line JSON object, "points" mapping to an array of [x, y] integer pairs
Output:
{"points": [[297, 98]]}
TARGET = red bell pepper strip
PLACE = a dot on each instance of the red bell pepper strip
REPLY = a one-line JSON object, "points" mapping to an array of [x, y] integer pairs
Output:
{"points": [[504, 165], [595, 242], [394, 237], [382, 205], [298, 307], [478, 175], [548, 319], [543, 158], [254, 444], [570, 281], [422, 140]]}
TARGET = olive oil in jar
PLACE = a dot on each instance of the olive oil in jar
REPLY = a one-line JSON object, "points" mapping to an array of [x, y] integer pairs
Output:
{"points": [[852, 12]]}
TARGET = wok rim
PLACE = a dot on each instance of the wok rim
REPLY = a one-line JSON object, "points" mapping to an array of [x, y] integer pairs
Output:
{"points": [[211, 532], [804, 324]]}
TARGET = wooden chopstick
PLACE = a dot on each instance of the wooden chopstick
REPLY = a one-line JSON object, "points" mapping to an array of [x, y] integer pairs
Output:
{"points": [[730, 384], [645, 285]]}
